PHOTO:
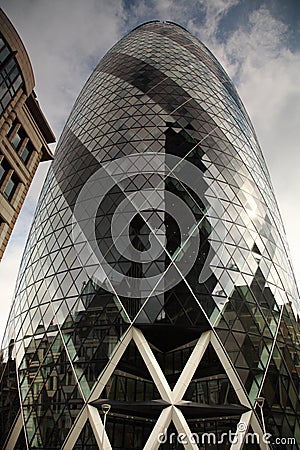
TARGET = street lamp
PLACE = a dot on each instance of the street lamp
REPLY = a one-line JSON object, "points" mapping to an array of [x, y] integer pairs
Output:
{"points": [[105, 409], [260, 402]]}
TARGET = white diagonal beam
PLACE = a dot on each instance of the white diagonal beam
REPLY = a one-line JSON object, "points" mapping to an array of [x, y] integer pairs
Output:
{"points": [[158, 433], [258, 430], [230, 371], [76, 429], [191, 366], [98, 388], [242, 430], [98, 428], [183, 430], [111, 366], [14, 435], [238, 387], [153, 366]]}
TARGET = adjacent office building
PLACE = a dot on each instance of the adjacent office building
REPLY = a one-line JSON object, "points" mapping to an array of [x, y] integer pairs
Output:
{"points": [[156, 278], [24, 131]]}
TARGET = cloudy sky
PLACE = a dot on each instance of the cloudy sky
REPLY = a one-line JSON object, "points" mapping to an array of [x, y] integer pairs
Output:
{"points": [[258, 43]]}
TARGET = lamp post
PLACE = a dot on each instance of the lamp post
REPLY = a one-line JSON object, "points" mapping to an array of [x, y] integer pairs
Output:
{"points": [[105, 409], [260, 402]]}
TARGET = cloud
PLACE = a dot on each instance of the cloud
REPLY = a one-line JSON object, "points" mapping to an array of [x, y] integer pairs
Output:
{"points": [[145, 10], [267, 77], [214, 11]]}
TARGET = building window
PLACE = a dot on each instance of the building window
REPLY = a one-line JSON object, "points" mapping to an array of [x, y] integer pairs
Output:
{"points": [[18, 138], [26, 152], [11, 186], [10, 75], [4, 51], [4, 168]]}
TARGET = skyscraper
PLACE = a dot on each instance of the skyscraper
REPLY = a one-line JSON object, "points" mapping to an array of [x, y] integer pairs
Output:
{"points": [[156, 278], [24, 131]]}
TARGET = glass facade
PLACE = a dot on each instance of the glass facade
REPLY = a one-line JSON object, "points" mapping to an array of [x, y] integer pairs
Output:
{"points": [[156, 277]]}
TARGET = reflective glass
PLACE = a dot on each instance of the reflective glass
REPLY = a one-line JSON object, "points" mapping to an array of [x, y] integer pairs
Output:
{"points": [[157, 220]]}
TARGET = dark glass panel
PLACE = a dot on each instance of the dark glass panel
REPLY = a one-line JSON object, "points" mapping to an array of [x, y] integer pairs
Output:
{"points": [[11, 186]]}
